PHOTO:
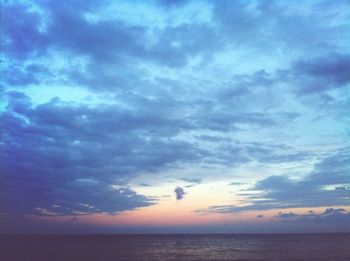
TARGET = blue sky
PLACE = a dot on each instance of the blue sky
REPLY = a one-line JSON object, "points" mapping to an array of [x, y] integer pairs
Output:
{"points": [[143, 116]]}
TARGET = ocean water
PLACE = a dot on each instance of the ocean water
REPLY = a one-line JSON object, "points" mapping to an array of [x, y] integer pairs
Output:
{"points": [[281, 247]]}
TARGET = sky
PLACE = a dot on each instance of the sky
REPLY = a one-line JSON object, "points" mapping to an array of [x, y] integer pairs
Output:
{"points": [[175, 116]]}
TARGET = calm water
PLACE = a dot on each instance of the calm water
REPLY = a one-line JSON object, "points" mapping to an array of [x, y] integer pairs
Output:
{"points": [[176, 247]]}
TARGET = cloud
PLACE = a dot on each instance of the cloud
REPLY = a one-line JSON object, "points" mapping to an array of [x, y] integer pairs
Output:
{"points": [[278, 192], [322, 73], [59, 154], [330, 215], [192, 180], [23, 35], [329, 220], [57, 150], [179, 192], [145, 185], [236, 183], [342, 188], [172, 3], [264, 25], [333, 210], [260, 216], [286, 215], [106, 40]]}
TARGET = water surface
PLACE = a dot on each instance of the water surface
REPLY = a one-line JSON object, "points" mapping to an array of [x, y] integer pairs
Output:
{"points": [[320, 247]]}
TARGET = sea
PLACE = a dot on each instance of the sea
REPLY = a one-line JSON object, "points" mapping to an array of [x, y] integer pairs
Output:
{"points": [[281, 247]]}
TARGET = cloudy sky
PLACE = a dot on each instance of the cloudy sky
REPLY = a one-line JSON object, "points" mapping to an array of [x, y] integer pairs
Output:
{"points": [[175, 116]]}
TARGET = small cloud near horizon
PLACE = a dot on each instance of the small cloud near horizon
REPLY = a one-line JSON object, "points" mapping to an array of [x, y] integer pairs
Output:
{"points": [[179, 192]]}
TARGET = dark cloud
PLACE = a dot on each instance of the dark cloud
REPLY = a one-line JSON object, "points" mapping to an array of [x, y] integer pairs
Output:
{"points": [[329, 216], [20, 37], [145, 185], [342, 188], [35, 193], [333, 210], [322, 74], [260, 216], [336, 68], [286, 215], [179, 192], [20, 76], [74, 219]]}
